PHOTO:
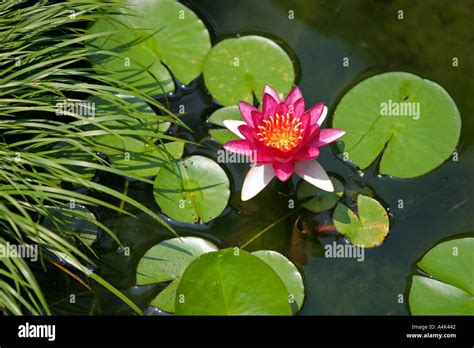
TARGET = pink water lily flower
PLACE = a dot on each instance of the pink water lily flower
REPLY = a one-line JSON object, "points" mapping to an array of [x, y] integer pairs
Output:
{"points": [[283, 138]]}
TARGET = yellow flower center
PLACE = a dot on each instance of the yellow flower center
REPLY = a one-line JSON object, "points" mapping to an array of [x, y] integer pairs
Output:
{"points": [[280, 132]]}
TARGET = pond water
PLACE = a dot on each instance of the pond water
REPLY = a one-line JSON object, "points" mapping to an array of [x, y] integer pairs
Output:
{"points": [[436, 206]]}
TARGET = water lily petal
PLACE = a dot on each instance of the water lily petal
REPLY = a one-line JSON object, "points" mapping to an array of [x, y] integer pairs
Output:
{"points": [[269, 90], [281, 109], [311, 152], [322, 117], [294, 95], [246, 112], [283, 171], [316, 112], [240, 146], [233, 126], [298, 108], [257, 118], [314, 173], [269, 104], [329, 135], [257, 178], [248, 133]]}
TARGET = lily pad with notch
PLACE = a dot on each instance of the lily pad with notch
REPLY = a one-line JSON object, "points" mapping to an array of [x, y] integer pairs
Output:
{"points": [[369, 229], [231, 282], [237, 69], [412, 121], [167, 261], [449, 287], [147, 35]]}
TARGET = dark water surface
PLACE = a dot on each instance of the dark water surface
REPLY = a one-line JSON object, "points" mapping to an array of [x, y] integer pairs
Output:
{"points": [[436, 206]]}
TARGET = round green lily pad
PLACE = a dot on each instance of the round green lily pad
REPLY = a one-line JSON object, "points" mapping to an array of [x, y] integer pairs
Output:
{"points": [[367, 230], [223, 135], [414, 122], [231, 282], [451, 291], [146, 160], [152, 33], [195, 188], [167, 261], [236, 69], [73, 222], [320, 200], [288, 273]]}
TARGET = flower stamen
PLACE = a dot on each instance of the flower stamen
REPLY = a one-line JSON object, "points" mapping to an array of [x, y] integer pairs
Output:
{"points": [[281, 132]]}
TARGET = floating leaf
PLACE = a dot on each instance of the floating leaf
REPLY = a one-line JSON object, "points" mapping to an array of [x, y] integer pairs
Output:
{"points": [[230, 282], [236, 69], [153, 33], [73, 221], [167, 261], [369, 229], [144, 160], [452, 292], [195, 188], [218, 117], [419, 139], [226, 113], [222, 135], [321, 200], [288, 273], [145, 123]]}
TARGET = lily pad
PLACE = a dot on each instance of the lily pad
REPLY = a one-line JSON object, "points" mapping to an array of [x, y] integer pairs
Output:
{"points": [[237, 69], [231, 282], [194, 188], [321, 200], [152, 33], [288, 273], [143, 159], [167, 261], [413, 121], [369, 229], [74, 222], [451, 290], [223, 135], [138, 118]]}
